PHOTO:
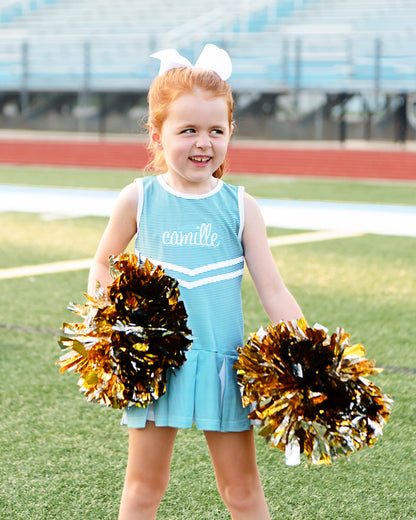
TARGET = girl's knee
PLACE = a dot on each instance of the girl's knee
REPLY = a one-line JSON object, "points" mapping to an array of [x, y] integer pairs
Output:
{"points": [[242, 496], [144, 494]]}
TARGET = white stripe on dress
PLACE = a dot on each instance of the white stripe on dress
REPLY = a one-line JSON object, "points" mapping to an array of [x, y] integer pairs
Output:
{"points": [[199, 270], [210, 279]]}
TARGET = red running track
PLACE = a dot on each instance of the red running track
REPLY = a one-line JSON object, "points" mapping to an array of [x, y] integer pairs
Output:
{"points": [[243, 157]]}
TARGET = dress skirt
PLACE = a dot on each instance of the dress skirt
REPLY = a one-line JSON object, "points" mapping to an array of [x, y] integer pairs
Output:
{"points": [[203, 391]]}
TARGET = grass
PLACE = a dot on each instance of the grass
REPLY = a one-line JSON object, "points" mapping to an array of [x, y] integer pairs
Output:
{"points": [[19, 229], [63, 458], [72, 178]]}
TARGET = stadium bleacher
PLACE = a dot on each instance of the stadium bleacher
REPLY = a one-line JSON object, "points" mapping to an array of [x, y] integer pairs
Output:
{"points": [[104, 45]]}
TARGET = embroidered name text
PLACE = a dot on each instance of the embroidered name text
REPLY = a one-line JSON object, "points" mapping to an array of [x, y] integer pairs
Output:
{"points": [[202, 236]]}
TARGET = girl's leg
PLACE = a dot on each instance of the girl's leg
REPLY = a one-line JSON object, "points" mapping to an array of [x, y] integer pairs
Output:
{"points": [[148, 468], [234, 458]]}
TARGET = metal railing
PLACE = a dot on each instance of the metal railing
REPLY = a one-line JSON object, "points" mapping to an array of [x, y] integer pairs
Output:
{"points": [[260, 62]]}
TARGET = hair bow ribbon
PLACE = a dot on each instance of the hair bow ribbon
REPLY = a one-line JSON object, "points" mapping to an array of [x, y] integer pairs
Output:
{"points": [[211, 58]]}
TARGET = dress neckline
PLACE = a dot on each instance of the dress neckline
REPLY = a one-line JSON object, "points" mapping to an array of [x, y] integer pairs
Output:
{"points": [[182, 195]]}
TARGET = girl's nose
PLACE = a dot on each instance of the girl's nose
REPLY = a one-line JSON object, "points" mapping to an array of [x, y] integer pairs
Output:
{"points": [[203, 141]]}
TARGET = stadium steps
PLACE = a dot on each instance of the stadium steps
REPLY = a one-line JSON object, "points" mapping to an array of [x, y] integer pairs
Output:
{"points": [[337, 49]]}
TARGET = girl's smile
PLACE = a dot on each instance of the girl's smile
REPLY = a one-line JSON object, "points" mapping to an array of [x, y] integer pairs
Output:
{"points": [[200, 161], [194, 138]]}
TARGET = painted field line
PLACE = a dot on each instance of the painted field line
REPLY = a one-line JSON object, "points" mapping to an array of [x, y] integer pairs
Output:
{"points": [[76, 265], [55, 267], [313, 236]]}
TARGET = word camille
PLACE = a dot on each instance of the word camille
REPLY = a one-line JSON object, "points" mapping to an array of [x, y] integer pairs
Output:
{"points": [[203, 236]]}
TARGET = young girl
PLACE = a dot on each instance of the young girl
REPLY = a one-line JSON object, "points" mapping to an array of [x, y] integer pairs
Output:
{"points": [[200, 230]]}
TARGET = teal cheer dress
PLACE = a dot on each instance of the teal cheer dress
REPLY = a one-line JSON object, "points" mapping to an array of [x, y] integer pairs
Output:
{"points": [[197, 240]]}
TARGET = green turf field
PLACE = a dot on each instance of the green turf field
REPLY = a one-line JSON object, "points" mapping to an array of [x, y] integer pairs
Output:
{"points": [[63, 458]]}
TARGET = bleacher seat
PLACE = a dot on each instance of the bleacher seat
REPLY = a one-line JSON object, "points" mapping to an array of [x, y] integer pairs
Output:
{"points": [[275, 44]]}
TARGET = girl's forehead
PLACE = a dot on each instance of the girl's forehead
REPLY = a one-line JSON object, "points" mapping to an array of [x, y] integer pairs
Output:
{"points": [[199, 94], [196, 102]]}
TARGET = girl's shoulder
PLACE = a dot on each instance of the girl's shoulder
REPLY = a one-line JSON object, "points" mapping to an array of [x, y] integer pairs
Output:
{"points": [[128, 196]]}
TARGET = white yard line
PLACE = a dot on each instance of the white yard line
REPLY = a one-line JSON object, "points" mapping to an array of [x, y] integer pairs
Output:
{"points": [[76, 265], [34, 270]]}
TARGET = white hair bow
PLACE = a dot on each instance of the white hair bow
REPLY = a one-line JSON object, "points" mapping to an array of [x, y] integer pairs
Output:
{"points": [[211, 58]]}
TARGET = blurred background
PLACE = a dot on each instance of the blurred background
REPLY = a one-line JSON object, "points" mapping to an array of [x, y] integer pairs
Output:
{"points": [[313, 70]]}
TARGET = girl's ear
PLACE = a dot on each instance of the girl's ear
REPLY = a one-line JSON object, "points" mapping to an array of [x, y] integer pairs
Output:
{"points": [[155, 137]]}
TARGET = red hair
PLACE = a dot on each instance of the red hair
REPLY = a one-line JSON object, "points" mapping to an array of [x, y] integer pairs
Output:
{"points": [[167, 88]]}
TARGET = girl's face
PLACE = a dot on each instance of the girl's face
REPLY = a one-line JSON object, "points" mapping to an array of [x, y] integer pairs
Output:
{"points": [[194, 138]]}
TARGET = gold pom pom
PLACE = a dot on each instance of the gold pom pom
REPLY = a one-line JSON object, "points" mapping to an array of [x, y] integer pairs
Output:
{"points": [[132, 335], [310, 391]]}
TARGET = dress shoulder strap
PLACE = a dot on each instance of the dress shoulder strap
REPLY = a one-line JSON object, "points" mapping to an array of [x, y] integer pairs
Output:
{"points": [[241, 210]]}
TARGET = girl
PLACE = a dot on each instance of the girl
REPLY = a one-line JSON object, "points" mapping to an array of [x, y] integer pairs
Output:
{"points": [[200, 230]]}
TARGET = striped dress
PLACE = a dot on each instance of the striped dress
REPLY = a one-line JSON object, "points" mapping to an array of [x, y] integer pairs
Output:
{"points": [[197, 240]]}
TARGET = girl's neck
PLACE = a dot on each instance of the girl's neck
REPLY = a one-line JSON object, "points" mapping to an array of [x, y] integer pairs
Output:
{"points": [[189, 188]]}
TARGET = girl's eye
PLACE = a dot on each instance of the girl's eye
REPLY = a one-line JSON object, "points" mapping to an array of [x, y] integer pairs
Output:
{"points": [[217, 131], [188, 131]]}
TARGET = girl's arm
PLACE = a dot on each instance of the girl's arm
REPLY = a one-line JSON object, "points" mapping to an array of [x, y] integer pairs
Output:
{"points": [[120, 230], [276, 299]]}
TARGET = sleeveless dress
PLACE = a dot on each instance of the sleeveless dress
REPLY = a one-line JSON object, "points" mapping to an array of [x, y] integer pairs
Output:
{"points": [[197, 240]]}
